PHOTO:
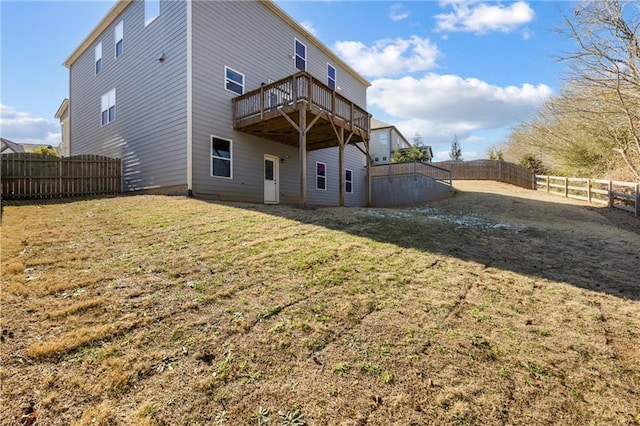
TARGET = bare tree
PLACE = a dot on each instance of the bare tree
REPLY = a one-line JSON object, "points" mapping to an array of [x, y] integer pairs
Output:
{"points": [[606, 67]]}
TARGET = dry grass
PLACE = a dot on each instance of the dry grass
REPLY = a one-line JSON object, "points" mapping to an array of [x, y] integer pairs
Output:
{"points": [[499, 306]]}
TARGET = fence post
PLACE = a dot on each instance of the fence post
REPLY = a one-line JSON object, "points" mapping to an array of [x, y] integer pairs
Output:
{"points": [[548, 182], [566, 187], [637, 199], [589, 190], [610, 190]]}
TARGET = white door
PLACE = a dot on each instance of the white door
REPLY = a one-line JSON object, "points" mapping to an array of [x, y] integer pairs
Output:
{"points": [[271, 179]]}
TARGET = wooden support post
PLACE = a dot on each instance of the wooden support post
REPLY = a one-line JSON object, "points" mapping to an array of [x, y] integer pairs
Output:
{"points": [[341, 165], [610, 190], [368, 154], [303, 155]]}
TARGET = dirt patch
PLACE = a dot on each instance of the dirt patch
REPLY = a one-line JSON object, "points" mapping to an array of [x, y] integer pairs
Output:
{"points": [[497, 306]]}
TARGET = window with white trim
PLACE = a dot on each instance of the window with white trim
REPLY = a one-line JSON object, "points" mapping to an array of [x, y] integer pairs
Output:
{"points": [[321, 175], [233, 81], [331, 76], [108, 107], [98, 56], [300, 53], [383, 138], [151, 11], [221, 158], [348, 181], [119, 37]]}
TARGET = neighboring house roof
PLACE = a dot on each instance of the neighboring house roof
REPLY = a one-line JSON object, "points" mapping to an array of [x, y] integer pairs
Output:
{"points": [[61, 110], [115, 11], [7, 146], [377, 124]]}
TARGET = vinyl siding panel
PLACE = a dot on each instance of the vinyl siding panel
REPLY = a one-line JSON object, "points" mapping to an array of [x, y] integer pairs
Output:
{"points": [[252, 40], [354, 160], [149, 132]]}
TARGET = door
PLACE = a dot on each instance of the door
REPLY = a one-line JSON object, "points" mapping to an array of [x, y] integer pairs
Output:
{"points": [[271, 179]]}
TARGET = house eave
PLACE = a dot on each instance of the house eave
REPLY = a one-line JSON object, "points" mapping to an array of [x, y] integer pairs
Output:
{"points": [[111, 16], [64, 106]]}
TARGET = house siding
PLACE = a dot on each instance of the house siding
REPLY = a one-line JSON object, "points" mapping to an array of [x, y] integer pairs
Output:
{"points": [[263, 53], [149, 132]]}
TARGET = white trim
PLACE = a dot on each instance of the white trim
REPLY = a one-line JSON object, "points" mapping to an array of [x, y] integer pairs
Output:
{"points": [[276, 176], [230, 159], [97, 54], [118, 36], [189, 6], [108, 101], [335, 78], [346, 180], [295, 54], [324, 177], [227, 79]]}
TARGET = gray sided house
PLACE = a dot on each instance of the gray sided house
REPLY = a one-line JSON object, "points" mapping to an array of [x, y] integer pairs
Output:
{"points": [[385, 138], [229, 100]]}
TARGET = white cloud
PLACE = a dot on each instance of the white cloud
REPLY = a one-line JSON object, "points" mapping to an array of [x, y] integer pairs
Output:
{"points": [[21, 127], [308, 25], [397, 12], [479, 17], [390, 56], [441, 106]]}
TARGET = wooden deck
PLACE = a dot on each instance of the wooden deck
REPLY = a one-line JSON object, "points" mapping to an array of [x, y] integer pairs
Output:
{"points": [[272, 112]]}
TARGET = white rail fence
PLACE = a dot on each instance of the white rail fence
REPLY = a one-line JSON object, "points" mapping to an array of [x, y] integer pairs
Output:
{"points": [[614, 194]]}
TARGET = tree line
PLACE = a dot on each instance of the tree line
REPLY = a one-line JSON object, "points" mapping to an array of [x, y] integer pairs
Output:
{"points": [[592, 127]]}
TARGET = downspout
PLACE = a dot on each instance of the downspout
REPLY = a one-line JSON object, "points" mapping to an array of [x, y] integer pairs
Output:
{"points": [[189, 99]]}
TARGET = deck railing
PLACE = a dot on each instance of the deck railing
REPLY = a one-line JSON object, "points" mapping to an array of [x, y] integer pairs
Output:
{"points": [[300, 87], [412, 168]]}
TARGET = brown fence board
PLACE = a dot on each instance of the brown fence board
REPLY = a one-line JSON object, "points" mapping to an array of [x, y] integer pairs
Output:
{"points": [[501, 171], [36, 176]]}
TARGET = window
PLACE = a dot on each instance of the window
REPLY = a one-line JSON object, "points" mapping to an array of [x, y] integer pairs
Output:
{"points": [[98, 56], [234, 81], [348, 181], [383, 138], [221, 157], [300, 55], [331, 76], [119, 35], [321, 175], [151, 10], [108, 106]]}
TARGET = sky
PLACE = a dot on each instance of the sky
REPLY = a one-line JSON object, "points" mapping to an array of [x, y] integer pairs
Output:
{"points": [[464, 69]]}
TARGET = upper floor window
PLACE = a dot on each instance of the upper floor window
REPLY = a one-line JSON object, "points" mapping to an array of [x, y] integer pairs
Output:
{"points": [[383, 138], [98, 56], [321, 175], [108, 106], [300, 55], [331, 76], [348, 181], [233, 81], [119, 35], [151, 10], [221, 159]]}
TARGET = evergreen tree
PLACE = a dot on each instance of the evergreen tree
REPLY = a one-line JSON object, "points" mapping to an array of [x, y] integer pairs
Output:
{"points": [[456, 149]]}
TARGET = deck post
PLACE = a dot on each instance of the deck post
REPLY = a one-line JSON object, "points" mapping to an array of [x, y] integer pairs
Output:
{"points": [[302, 134], [366, 148], [341, 165]]}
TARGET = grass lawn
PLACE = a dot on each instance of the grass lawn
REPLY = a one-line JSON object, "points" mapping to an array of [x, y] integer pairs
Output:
{"points": [[498, 306]]}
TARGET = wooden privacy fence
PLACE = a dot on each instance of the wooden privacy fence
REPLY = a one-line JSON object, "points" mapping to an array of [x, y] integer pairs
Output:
{"points": [[615, 194], [33, 176], [490, 170], [412, 168]]}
